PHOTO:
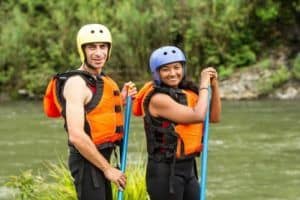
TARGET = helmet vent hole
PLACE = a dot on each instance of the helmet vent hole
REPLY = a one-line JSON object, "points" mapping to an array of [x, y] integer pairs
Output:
{"points": [[173, 51], [165, 53], [101, 31], [92, 31]]}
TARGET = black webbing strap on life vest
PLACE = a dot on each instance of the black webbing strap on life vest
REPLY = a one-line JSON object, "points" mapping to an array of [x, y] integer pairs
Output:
{"points": [[63, 77]]}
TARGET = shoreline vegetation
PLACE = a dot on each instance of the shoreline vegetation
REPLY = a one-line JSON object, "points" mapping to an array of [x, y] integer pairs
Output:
{"points": [[38, 40], [55, 182]]}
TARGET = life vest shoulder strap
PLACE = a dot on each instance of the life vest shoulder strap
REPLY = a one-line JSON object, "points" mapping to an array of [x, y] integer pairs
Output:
{"points": [[177, 94], [85, 75]]}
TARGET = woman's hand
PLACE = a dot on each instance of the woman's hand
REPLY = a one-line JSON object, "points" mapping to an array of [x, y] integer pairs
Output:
{"points": [[208, 77]]}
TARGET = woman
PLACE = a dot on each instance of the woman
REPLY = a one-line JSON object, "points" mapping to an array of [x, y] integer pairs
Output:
{"points": [[174, 110]]}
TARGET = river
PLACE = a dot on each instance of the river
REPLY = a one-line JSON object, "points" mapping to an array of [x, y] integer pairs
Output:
{"points": [[254, 151]]}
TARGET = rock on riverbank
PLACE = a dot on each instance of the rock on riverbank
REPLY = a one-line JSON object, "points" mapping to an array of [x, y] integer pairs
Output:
{"points": [[260, 82]]}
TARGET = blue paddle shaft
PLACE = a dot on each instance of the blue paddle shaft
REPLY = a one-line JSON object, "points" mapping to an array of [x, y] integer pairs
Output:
{"points": [[205, 150], [126, 132], [125, 139]]}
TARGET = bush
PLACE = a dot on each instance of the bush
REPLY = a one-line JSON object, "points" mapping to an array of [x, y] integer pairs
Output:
{"points": [[58, 184], [38, 37], [296, 67], [278, 77]]}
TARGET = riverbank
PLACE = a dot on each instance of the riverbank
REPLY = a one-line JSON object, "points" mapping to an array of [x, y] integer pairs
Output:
{"points": [[239, 87], [269, 79], [244, 90]]}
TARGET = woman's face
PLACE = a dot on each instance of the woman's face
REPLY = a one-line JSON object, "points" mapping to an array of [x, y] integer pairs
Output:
{"points": [[171, 74]]}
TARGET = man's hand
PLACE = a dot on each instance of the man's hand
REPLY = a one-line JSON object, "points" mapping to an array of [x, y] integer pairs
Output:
{"points": [[115, 176], [129, 89]]}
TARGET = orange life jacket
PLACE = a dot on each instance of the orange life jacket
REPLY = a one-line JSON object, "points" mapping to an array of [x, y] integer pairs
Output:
{"points": [[103, 114], [164, 137]]}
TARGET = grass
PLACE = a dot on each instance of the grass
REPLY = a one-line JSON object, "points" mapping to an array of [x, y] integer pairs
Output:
{"points": [[57, 183], [29, 186]]}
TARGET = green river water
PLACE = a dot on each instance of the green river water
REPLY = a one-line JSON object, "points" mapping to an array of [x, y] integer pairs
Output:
{"points": [[254, 153]]}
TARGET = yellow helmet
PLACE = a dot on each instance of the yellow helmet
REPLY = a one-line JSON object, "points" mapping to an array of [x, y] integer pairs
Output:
{"points": [[92, 33]]}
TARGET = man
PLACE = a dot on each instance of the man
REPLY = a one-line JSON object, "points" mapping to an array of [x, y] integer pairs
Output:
{"points": [[91, 104]]}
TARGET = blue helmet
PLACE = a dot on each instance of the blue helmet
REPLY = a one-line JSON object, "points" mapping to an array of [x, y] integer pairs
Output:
{"points": [[162, 56]]}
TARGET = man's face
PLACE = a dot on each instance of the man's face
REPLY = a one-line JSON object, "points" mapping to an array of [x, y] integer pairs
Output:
{"points": [[96, 54]]}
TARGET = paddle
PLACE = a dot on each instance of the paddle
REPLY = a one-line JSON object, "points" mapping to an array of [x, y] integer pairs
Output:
{"points": [[125, 140], [205, 150]]}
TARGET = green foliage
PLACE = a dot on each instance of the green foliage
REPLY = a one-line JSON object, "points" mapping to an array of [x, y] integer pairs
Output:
{"points": [[281, 75], [62, 186], [38, 38], [135, 187], [265, 64], [296, 67], [225, 72], [25, 183], [56, 183], [268, 11]]}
